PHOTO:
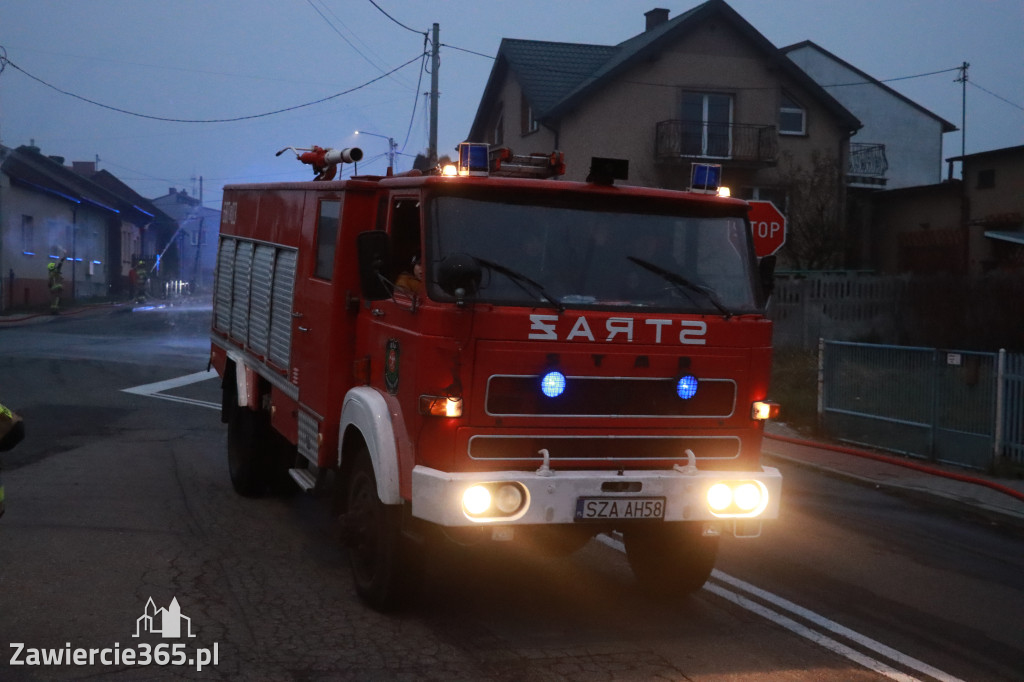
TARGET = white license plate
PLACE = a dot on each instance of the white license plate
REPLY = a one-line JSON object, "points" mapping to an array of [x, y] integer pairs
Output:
{"points": [[599, 508]]}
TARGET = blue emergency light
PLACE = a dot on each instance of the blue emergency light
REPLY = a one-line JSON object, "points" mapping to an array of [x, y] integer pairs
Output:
{"points": [[686, 387], [473, 158], [705, 178], [552, 384]]}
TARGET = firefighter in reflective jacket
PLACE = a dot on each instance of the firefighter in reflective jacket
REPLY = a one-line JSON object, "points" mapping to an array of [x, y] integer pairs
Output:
{"points": [[56, 281], [12, 430], [141, 280]]}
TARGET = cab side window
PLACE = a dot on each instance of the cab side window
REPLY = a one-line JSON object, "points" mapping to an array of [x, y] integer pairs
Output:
{"points": [[326, 238], [405, 234]]}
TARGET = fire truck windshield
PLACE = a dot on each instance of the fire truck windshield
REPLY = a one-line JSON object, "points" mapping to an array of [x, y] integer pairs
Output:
{"points": [[600, 256]]}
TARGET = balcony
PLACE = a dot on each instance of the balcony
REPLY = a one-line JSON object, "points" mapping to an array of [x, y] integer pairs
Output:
{"points": [[677, 140], [867, 165]]}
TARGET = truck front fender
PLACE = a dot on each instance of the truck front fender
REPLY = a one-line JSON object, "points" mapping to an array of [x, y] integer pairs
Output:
{"points": [[379, 419]]}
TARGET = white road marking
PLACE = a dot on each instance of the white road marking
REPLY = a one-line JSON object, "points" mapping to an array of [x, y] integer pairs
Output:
{"points": [[808, 633], [155, 390]]}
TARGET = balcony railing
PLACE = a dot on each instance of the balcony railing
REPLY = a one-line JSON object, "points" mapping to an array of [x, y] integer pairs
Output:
{"points": [[677, 139], [867, 159]]}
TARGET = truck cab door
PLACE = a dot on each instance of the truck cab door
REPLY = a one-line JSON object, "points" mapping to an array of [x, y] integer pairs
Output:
{"points": [[315, 319]]}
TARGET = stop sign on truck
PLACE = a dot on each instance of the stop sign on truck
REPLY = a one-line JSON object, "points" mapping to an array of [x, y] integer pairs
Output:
{"points": [[769, 227]]}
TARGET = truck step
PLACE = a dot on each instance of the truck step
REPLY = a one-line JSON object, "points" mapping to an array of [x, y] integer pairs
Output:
{"points": [[305, 478]]}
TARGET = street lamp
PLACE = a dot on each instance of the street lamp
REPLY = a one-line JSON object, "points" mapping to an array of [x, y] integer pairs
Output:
{"points": [[392, 146]]}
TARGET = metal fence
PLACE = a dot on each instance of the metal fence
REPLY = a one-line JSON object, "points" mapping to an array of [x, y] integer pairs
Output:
{"points": [[960, 407]]}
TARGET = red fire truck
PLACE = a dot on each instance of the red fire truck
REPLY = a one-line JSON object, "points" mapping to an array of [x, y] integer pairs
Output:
{"points": [[491, 354]]}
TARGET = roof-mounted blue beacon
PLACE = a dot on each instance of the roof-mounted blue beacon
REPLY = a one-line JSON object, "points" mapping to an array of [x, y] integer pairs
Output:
{"points": [[474, 158], [705, 178]]}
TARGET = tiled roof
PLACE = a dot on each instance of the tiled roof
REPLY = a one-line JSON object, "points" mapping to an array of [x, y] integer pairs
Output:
{"points": [[548, 71], [27, 167], [556, 76]]}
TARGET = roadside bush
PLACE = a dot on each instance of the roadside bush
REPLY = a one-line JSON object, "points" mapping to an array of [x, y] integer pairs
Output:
{"points": [[795, 387]]}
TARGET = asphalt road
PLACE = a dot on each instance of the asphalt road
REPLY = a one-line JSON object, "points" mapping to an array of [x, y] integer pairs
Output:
{"points": [[116, 498]]}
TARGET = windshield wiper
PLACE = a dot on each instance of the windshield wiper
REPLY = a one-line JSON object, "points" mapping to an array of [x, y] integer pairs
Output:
{"points": [[682, 284], [521, 281]]}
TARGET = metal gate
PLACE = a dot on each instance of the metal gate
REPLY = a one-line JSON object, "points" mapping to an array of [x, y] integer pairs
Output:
{"points": [[1010, 403], [960, 407]]}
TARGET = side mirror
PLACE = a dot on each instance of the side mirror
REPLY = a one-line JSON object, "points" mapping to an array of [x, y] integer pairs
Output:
{"points": [[766, 273], [374, 250], [459, 275]]}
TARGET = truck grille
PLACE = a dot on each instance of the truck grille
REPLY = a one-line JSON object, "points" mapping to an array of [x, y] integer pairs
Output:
{"points": [[526, 448], [509, 396]]}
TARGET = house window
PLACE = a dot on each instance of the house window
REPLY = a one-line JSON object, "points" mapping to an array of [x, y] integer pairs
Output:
{"points": [[707, 124], [529, 123], [987, 178], [28, 235], [792, 117]]}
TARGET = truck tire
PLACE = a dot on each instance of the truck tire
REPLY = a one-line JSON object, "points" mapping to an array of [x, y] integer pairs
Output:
{"points": [[386, 566], [247, 452], [671, 559]]}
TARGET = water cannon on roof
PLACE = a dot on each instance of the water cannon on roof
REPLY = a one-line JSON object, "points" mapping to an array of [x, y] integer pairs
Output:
{"points": [[325, 160]]}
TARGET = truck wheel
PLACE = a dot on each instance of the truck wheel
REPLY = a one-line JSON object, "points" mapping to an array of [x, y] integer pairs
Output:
{"points": [[671, 559], [385, 565], [246, 452]]}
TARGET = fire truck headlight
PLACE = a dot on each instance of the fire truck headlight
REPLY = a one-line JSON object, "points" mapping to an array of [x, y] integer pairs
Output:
{"points": [[450, 170], [737, 499], [476, 500], [747, 496], [509, 499], [719, 497], [498, 501]]}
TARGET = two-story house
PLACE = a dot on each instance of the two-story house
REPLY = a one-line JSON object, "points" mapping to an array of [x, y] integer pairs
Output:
{"points": [[705, 85], [198, 227], [900, 143], [899, 146]]}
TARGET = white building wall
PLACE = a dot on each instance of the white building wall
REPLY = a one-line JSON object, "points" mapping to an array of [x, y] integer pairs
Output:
{"points": [[57, 230], [912, 138]]}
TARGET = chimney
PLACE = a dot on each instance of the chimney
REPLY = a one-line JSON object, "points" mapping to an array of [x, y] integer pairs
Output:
{"points": [[84, 167], [172, 191], [656, 17]]}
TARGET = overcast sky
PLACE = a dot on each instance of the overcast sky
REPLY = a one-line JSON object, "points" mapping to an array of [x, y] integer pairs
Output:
{"points": [[215, 59]]}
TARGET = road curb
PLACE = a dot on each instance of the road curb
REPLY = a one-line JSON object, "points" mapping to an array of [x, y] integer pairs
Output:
{"points": [[976, 509]]}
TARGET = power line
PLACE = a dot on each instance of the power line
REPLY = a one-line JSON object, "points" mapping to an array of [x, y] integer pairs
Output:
{"points": [[416, 95], [672, 85], [379, 9], [462, 49], [890, 80], [999, 97], [4, 61], [343, 36]]}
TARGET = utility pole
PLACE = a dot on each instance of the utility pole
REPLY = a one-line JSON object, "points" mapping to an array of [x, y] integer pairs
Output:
{"points": [[965, 208], [962, 79], [435, 64]]}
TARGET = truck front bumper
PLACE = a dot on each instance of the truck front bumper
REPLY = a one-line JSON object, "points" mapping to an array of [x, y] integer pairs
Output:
{"points": [[559, 497]]}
